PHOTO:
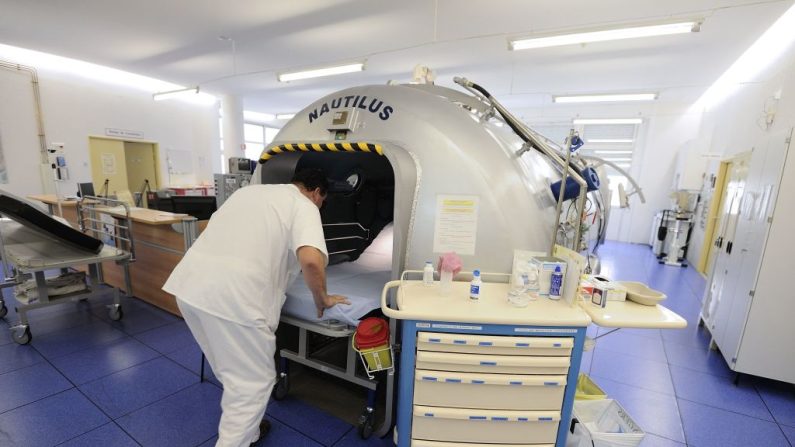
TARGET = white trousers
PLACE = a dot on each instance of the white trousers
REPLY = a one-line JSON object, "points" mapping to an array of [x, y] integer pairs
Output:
{"points": [[242, 359]]}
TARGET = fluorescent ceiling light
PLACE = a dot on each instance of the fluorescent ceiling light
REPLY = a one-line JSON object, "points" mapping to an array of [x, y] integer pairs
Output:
{"points": [[96, 73], [607, 120], [605, 98], [623, 165], [610, 140], [257, 116], [285, 116], [615, 159], [766, 50], [319, 72], [613, 152], [605, 35], [172, 94]]}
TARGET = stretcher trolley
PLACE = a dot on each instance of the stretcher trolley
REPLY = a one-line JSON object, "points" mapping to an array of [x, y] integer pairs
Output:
{"points": [[34, 246], [361, 281]]}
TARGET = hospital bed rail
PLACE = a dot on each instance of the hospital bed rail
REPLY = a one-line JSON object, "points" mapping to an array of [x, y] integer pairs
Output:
{"points": [[117, 230]]}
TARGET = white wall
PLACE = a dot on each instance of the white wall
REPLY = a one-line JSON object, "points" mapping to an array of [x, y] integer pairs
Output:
{"points": [[736, 124], [74, 108], [666, 132]]}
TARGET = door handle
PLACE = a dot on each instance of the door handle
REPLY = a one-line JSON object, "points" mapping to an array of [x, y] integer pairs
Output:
{"points": [[719, 242], [729, 246]]}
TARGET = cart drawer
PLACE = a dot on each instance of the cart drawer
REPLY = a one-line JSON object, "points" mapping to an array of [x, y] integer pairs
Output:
{"points": [[497, 364], [485, 426], [494, 344], [488, 391], [421, 443]]}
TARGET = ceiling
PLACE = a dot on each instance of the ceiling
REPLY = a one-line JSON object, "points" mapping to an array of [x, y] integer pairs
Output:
{"points": [[178, 41]]}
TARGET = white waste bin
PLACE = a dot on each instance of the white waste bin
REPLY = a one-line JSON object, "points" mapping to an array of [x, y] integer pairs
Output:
{"points": [[603, 423]]}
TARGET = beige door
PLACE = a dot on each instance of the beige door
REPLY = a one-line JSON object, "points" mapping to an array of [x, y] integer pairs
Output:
{"points": [[108, 165], [125, 165], [141, 161]]}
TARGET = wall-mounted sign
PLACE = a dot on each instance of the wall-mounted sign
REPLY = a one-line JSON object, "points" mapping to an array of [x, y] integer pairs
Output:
{"points": [[456, 224], [108, 164], [122, 133]]}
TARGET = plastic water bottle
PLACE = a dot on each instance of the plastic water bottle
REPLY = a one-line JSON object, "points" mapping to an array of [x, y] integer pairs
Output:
{"points": [[427, 274], [474, 286], [556, 284]]}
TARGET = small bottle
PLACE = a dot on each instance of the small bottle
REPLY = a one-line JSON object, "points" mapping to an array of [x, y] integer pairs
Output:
{"points": [[556, 284], [474, 286], [427, 274]]}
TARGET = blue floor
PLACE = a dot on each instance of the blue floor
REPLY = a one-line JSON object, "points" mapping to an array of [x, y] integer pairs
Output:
{"points": [[672, 385], [87, 381]]}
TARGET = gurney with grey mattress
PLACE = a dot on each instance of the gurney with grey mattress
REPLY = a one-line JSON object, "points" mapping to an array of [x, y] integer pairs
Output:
{"points": [[361, 281]]}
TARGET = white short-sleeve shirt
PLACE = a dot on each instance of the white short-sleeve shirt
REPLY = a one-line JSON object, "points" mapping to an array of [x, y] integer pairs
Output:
{"points": [[242, 263]]}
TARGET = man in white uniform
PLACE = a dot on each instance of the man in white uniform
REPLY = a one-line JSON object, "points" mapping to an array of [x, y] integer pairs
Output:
{"points": [[230, 287]]}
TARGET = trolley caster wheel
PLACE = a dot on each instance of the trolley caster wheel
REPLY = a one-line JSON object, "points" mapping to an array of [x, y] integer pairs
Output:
{"points": [[115, 313], [365, 427], [3, 310], [281, 388], [22, 337]]}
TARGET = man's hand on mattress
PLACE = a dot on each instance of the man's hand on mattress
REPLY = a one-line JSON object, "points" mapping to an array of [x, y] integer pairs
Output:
{"points": [[331, 301]]}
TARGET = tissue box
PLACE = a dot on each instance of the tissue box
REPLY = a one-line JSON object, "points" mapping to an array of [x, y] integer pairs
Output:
{"points": [[610, 290], [546, 265]]}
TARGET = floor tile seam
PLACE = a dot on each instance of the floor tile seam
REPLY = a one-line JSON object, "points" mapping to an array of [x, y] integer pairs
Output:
{"points": [[80, 351], [636, 386], [784, 434], [154, 402], [206, 440], [42, 360], [771, 420], [96, 428], [615, 351], [676, 400], [115, 372], [32, 326], [37, 400], [132, 334], [86, 349], [298, 430], [343, 436], [157, 350], [684, 345], [764, 402], [701, 371], [645, 337], [197, 374], [88, 399]]}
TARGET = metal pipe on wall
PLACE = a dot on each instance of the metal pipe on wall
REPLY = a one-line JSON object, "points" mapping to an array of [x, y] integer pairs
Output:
{"points": [[13, 66]]}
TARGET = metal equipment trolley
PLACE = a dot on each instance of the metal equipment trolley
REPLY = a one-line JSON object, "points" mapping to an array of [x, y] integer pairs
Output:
{"points": [[27, 254]]}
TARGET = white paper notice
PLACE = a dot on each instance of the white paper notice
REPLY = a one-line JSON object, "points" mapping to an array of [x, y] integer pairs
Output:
{"points": [[456, 224], [109, 164]]}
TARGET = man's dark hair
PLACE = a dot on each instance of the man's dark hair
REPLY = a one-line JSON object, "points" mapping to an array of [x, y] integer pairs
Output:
{"points": [[311, 179]]}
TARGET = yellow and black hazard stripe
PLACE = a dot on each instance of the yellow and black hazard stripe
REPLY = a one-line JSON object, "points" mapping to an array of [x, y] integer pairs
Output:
{"points": [[321, 147]]}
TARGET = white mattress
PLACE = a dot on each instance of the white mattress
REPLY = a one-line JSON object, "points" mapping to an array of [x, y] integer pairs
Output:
{"points": [[361, 281]]}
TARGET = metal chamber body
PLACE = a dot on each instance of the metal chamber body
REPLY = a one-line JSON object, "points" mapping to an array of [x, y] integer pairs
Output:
{"points": [[437, 142]]}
